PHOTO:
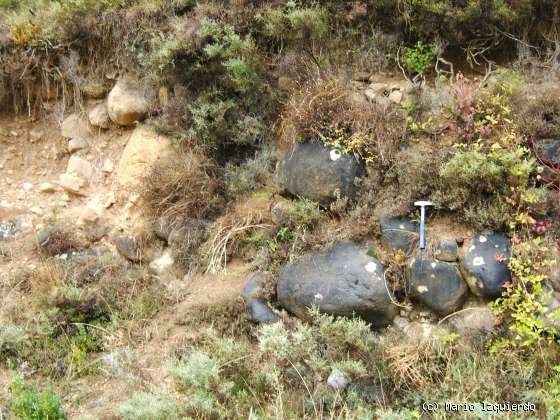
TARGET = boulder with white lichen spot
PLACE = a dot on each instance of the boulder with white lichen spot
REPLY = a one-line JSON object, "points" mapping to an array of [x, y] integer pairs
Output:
{"points": [[485, 264], [344, 280], [436, 284], [319, 173]]}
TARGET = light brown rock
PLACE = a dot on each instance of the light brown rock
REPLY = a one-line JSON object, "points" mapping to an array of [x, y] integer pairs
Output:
{"points": [[77, 143], [80, 167], [127, 103], [73, 183], [75, 126], [144, 149], [47, 187], [99, 116]]}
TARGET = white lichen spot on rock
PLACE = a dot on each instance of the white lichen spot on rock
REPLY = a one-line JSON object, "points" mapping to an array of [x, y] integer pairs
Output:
{"points": [[335, 155], [371, 267], [401, 226], [422, 289], [482, 239], [318, 296], [434, 265], [478, 261]]}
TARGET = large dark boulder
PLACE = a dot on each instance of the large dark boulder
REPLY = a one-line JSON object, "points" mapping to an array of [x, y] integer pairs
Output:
{"points": [[257, 307], [436, 284], [548, 151], [485, 264], [399, 234], [343, 280], [319, 173]]}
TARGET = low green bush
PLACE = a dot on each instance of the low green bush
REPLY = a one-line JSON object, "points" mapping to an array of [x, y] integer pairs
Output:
{"points": [[29, 404]]}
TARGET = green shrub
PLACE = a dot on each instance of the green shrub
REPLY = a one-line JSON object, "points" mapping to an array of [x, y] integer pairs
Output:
{"points": [[145, 406], [29, 404], [483, 186], [418, 58], [251, 174], [12, 339]]}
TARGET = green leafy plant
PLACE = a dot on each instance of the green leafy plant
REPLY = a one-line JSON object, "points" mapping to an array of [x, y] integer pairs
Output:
{"points": [[30, 404], [418, 58]]}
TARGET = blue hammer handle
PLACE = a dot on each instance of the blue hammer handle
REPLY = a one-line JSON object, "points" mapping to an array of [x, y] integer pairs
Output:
{"points": [[422, 228]]}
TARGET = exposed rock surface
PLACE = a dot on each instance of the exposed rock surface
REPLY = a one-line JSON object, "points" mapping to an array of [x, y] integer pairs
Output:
{"points": [[80, 167], [75, 126], [162, 264], [76, 144], [257, 307], [437, 284], [144, 149], [319, 173], [485, 264], [128, 247], [73, 183], [343, 280], [399, 234], [548, 150], [473, 320], [447, 250], [99, 116], [127, 103]]}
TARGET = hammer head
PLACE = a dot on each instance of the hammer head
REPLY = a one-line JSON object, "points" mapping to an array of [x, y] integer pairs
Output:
{"points": [[423, 203]]}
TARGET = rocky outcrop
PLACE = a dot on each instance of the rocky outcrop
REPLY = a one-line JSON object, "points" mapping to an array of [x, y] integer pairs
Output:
{"points": [[473, 320], [319, 173], [343, 280], [144, 149], [127, 103], [485, 264], [257, 307], [436, 284], [399, 234]]}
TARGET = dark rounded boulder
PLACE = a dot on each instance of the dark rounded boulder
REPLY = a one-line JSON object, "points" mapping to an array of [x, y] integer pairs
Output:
{"points": [[320, 173], [436, 284], [548, 151], [257, 307], [485, 264], [342, 281]]}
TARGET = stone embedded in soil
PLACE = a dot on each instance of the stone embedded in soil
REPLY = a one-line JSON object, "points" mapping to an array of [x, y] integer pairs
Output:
{"points": [[76, 144], [127, 103], [144, 150], [75, 126], [257, 307], [162, 264], [80, 167], [337, 380], [399, 234], [73, 183], [342, 280], [12, 228], [485, 264], [447, 250], [128, 247], [436, 284], [99, 116], [47, 187], [473, 320], [319, 173]]}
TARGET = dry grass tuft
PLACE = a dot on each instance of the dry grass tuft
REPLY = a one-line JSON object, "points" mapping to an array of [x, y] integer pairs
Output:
{"points": [[225, 237], [182, 188], [326, 110], [417, 365]]}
